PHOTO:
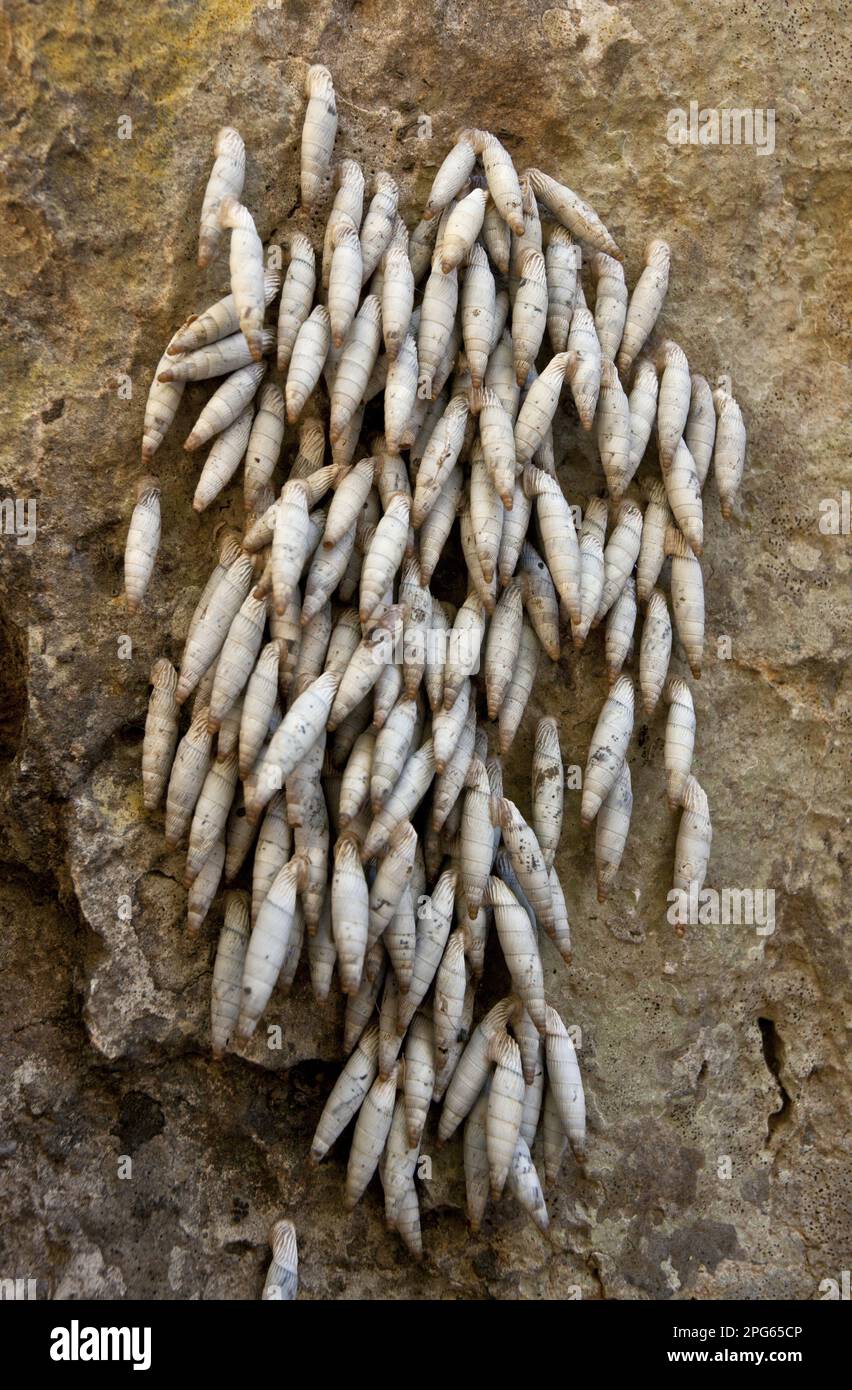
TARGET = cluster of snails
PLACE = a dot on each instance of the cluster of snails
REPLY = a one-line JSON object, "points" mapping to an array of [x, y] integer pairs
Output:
{"points": [[347, 723]]}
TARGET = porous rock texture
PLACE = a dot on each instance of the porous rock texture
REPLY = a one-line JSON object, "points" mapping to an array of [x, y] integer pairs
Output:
{"points": [[713, 1066]]}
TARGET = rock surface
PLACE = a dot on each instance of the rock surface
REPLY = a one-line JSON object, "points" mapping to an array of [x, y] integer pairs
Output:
{"points": [[713, 1066]]}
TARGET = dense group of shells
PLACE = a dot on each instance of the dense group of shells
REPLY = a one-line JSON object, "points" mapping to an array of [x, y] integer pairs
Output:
{"points": [[347, 723]]}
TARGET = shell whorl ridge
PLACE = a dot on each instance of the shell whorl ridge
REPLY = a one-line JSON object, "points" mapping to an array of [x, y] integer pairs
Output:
{"points": [[234, 214], [622, 692], [656, 494], [609, 376], [602, 264], [319, 82], [695, 797], [283, 1242], [271, 400], [229, 142], [345, 234], [301, 248], [163, 676], [677, 691], [658, 254], [669, 354], [630, 515], [532, 266], [547, 730], [678, 546], [644, 374], [386, 184], [348, 174]]}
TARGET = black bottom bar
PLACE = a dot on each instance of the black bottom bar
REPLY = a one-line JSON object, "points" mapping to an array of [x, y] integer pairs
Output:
{"points": [[316, 1340]]}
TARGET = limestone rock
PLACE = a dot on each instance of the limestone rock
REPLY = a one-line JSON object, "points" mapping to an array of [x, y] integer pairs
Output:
{"points": [[713, 1066]]}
